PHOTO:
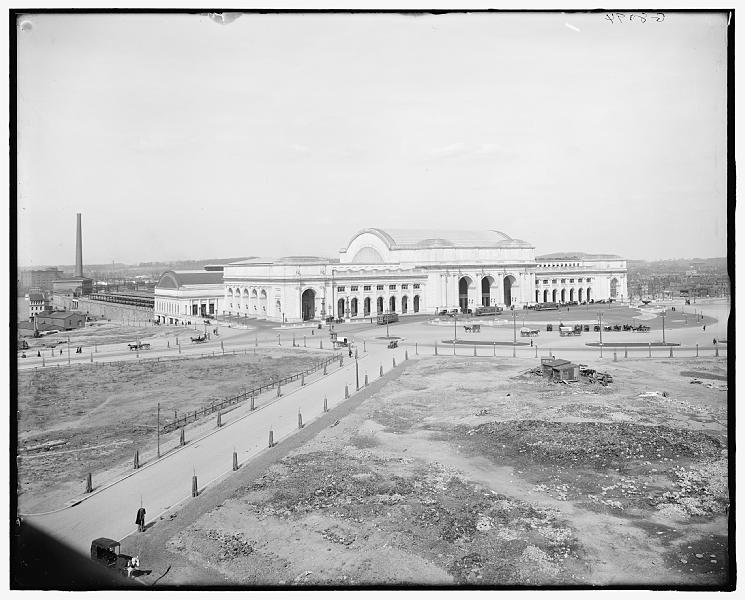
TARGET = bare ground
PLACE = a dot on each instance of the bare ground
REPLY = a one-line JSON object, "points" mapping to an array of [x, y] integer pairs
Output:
{"points": [[471, 472], [91, 418]]}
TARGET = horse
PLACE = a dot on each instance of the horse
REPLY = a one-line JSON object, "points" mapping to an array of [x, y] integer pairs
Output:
{"points": [[132, 565], [467, 328]]}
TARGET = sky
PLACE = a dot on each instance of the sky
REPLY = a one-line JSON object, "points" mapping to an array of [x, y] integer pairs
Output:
{"points": [[177, 137]]}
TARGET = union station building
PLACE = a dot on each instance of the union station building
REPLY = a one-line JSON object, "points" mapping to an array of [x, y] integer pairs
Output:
{"points": [[409, 271]]}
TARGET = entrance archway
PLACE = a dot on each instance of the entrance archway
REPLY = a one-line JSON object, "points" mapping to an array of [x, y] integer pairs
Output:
{"points": [[353, 307], [509, 281], [308, 302], [536, 295], [589, 294], [580, 294], [262, 302], [563, 296], [545, 295], [416, 304], [553, 296], [380, 305], [366, 306], [404, 304], [486, 284], [392, 304], [463, 284], [613, 287], [571, 295], [340, 309]]}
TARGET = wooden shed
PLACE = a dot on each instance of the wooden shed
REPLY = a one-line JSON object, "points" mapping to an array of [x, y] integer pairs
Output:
{"points": [[557, 368]]}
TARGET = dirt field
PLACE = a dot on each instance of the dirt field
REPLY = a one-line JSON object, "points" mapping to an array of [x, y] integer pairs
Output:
{"points": [[468, 471], [92, 417]]}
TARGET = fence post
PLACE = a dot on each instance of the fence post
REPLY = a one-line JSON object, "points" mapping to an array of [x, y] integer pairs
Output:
{"points": [[219, 418], [536, 350], [615, 357], [696, 350], [346, 392], [435, 348], [394, 362], [256, 341], [671, 351], [650, 349], [293, 340], [253, 406], [279, 340], [716, 350], [235, 460], [474, 349], [91, 357], [271, 438], [302, 379], [43, 363], [194, 487], [406, 355], [304, 342], [89, 484], [416, 348], [453, 347], [299, 419], [325, 404], [279, 390], [341, 361], [182, 438], [514, 350], [365, 379], [381, 370], [137, 459], [320, 344], [324, 369], [626, 352]]}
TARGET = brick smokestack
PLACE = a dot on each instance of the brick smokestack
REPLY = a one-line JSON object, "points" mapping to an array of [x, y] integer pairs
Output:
{"points": [[79, 251]]}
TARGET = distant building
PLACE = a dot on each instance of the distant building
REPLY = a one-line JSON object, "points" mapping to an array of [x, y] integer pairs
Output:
{"points": [[39, 279], [37, 303], [73, 286], [580, 277], [59, 319], [183, 296]]}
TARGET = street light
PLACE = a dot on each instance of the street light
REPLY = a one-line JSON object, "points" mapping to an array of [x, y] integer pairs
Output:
{"points": [[663, 327], [514, 329], [600, 317], [333, 307]]}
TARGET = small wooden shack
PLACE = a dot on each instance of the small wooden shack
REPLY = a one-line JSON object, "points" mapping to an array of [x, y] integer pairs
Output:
{"points": [[556, 369]]}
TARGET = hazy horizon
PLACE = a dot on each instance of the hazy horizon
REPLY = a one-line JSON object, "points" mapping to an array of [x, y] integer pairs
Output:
{"points": [[284, 134]]}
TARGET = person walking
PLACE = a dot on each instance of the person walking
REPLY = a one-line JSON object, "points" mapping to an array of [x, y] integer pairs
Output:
{"points": [[140, 520]]}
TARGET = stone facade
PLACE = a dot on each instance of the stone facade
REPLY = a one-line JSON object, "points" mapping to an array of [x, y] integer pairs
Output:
{"points": [[415, 271]]}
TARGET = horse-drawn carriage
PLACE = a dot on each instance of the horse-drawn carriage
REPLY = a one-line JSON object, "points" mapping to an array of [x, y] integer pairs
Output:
{"points": [[476, 328], [642, 329], [200, 339], [528, 332], [137, 346], [393, 344], [107, 552]]}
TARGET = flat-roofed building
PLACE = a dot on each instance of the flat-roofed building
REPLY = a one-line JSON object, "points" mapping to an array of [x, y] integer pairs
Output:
{"points": [[184, 297]]}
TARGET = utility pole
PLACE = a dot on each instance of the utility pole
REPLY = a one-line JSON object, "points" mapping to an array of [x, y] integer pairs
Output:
{"points": [[514, 329], [68, 350], [158, 428], [357, 373], [455, 327], [600, 317], [663, 327]]}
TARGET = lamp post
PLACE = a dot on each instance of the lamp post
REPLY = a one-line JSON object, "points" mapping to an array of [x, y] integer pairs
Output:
{"points": [[663, 327], [455, 327], [357, 373], [68, 350], [333, 305], [600, 318]]}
